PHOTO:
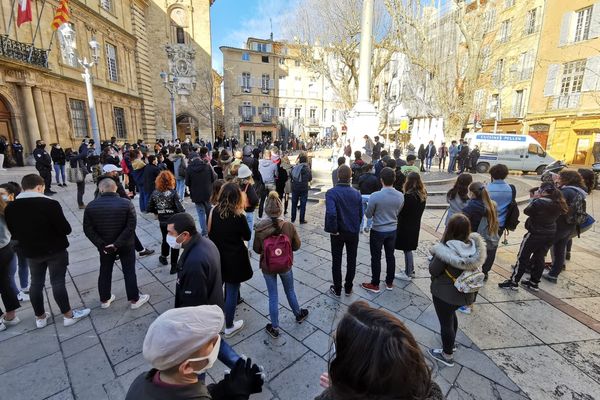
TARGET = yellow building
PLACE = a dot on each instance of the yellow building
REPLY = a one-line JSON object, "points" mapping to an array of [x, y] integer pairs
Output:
{"points": [[564, 105], [509, 52]]}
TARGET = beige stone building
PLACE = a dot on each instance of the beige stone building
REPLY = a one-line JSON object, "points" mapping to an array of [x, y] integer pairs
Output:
{"points": [[269, 94]]}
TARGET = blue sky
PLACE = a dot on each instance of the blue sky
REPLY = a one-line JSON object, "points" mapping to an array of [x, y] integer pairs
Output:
{"points": [[232, 21]]}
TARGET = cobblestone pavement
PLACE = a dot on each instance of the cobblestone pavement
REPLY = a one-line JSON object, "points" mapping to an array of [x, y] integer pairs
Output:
{"points": [[516, 345]]}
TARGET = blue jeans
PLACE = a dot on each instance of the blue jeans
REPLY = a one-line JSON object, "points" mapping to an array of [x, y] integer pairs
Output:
{"points": [[250, 220], [287, 280], [451, 164], [365, 204], [12, 271], [303, 197], [409, 264], [180, 188], [387, 240], [227, 355], [203, 209], [144, 198], [231, 297], [61, 169], [23, 268], [428, 162]]}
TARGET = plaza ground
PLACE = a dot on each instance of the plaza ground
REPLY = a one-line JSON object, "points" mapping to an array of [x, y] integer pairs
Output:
{"points": [[516, 345]]}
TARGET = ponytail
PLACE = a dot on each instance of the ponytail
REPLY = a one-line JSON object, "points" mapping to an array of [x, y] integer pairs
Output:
{"points": [[557, 196], [491, 213]]}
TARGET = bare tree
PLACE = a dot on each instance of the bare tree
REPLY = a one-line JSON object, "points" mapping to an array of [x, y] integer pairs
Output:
{"points": [[208, 82]]}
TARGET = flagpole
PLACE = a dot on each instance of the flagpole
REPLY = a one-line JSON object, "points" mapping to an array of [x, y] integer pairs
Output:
{"points": [[37, 29], [51, 39], [12, 15]]}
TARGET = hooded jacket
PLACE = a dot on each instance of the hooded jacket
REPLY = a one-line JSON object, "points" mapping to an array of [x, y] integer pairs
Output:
{"points": [[455, 257], [570, 193], [268, 171], [543, 213], [301, 176], [200, 176], [265, 228]]}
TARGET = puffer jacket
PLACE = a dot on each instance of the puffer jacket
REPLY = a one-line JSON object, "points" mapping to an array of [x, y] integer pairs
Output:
{"points": [[543, 213], [264, 228], [110, 219], [435, 393], [454, 257], [137, 173], [165, 205]]}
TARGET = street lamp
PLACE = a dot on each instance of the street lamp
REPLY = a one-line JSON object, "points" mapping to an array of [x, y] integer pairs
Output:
{"points": [[67, 34], [171, 83]]}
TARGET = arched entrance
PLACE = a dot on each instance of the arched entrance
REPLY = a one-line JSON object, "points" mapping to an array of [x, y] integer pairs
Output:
{"points": [[187, 126], [5, 121]]}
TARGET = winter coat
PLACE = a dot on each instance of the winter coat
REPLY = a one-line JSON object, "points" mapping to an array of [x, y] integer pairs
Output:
{"points": [[200, 176], [435, 393], [455, 257], [463, 154], [264, 228], [229, 235], [58, 156], [165, 205], [409, 222], [268, 171], [43, 162], [377, 147], [253, 199], [288, 183], [421, 153], [110, 219], [301, 176], [442, 152], [137, 173], [178, 159], [569, 193], [430, 151], [282, 178], [475, 211], [543, 213], [453, 151], [343, 209], [356, 168], [150, 173], [368, 183], [252, 163], [455, 205]]}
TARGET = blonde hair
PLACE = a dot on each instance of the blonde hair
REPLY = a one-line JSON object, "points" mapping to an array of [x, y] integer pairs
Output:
{"points": [[491, 212], [230, 200]]}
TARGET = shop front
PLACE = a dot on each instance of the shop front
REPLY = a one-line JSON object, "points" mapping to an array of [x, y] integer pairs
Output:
{"points": [[575, 140]]}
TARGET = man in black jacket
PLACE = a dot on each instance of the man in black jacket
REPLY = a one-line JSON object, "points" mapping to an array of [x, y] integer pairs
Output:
{"points": [[463, 157], [43, 163], [39, 225], [109, 223], [301, 176], [199, 177]]}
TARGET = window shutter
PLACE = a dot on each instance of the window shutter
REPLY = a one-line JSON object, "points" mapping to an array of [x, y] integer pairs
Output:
{"points": [[508, 29], [591, 77], [253, 111], [240, 81], [595, 22], [514, 111], [565, 29], [550, 87], [239, 110], [271, 83]]}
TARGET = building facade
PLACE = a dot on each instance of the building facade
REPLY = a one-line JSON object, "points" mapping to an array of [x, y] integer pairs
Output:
{"points": [[564, 106], [270, 95]]}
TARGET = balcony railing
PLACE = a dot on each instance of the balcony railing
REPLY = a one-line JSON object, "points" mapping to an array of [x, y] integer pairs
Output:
{"points": [[313, 122], [564, 102], [23, 52], [266, 118]]}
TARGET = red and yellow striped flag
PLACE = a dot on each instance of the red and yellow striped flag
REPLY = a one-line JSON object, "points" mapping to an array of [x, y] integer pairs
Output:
{"points": [[62, 14]]}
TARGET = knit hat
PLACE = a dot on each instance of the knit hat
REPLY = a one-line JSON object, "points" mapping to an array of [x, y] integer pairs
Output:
{"points": [[273, 206], [244, 172]]}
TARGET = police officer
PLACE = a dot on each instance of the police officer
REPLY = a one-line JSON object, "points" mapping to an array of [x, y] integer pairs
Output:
{"points": [[43, 163]]}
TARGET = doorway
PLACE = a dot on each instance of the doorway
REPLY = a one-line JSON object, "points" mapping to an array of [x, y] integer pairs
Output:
{"points": [[581, 151], [266, 136], [5, 121]]}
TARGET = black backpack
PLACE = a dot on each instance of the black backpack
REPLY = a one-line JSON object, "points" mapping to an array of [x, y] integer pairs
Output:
{"points": [[513, 213], [577, 212]]}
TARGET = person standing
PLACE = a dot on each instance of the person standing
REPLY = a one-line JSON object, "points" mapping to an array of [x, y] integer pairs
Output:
{"points": [[334, 178], [199, 177], [463, 157], [3, 147], [151, 171], [368, 183], [421, 154], [442, 154], [78, 174], [452, 153], [58, 158], [384, 207], [246, 184], [301, 176], [179, 168], [410, 165], [458, 196], [348, 150], [430, 152], [164, 203], [109, 223], [228, 229], [39, 225], [409, 222], [357, 168], [266, 229], [343, 218], [268, 173], [17, 148], [8, 267], [43, 163], [287, 189], [138, 166], [377, 147], [473, 159], [458, 251]]}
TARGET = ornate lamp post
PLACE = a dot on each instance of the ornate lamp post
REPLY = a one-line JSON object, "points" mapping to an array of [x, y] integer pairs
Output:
{"points": [[171, 83], [67, 36]]}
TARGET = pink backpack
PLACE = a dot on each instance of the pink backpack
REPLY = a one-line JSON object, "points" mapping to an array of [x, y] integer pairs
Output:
{"points": [[278, 253]]}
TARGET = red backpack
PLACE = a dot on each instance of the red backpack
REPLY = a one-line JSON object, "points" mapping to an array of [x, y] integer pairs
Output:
{"points": [[277, 252]]}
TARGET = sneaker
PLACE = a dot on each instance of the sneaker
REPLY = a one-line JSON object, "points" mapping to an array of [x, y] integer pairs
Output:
{"points": [[303, 222], [302, 316], [107, 303], [173, 270], [146, 252], [367, 230], [509, 284], [334, 292], [389, 286], [568, 256], [2, 326], [465, 310], [12, 322], [412, 275], [438, 354], [485, 276], [235, 329], [550, 278], [273, 332], [370, 287], [49, 193], [143, 299], [77, 316], [403, 277], [548, 265], [348, 291], [42, 322], [22, 296], [163, 260], [527, 284]]}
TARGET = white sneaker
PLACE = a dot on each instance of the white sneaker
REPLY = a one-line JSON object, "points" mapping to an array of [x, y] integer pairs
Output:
{"points": [[42, 322], [2, 326], [12, 322], [403, 277], [77, 316], [22, 296], [237, 327], [143, 299], [107, 303]]}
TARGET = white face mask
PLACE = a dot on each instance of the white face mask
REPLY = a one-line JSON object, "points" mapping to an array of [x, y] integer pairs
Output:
{"points": [[5, 197], [211, 358], [172, 242]]}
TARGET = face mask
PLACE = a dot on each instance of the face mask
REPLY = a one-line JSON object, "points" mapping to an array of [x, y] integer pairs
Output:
{"points": [[211, 358], [5, 197], [172, 242]]}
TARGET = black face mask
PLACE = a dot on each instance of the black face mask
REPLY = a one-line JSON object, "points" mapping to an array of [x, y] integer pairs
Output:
{"points": [[41, 146]]}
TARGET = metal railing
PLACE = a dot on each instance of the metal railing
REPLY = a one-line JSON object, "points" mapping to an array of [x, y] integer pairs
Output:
{"points": [[23, 52], [564, 102]]}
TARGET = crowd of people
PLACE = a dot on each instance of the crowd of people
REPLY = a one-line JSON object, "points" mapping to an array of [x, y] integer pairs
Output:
{"points": [[375, 355]]}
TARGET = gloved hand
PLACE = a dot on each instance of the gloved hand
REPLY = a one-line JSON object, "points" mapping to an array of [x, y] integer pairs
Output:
{"points": [[245, 379]]}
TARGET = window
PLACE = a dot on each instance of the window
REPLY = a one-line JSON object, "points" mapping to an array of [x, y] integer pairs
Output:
{"points": [[265, 83], [265, 59], [282, 86], [572, 78], [297, 86], [505, 28], [262, 47], [245, 84], [266, 112], [313, 113], [112, 63], [246, 111], [333, 112], [120, 126], [531, 22], [526, 65], [180, 35], [582, 29], [494, 106], [498, 72], [478, 99], [490, 19], [78, 118], [245, 56], [509, 3], [486, 54], [297, 112], [535, 149], [282, 61], [281, 112], [297, 63], [517, 110], [106, 4]]}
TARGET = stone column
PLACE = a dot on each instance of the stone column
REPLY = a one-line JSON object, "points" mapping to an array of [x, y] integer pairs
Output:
{"points": [[33, 129], [40, 111], [366, 52]]}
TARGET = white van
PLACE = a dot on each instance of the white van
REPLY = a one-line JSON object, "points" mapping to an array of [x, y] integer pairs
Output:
{"points": [[517, 152]]}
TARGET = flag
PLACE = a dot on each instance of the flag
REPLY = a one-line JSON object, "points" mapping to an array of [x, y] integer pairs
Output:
{"points": [[62, 15], [24, 12]]}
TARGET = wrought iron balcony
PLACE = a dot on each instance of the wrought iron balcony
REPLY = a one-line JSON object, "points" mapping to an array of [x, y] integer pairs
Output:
{"points": [[23, 52], [564, 102]]}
